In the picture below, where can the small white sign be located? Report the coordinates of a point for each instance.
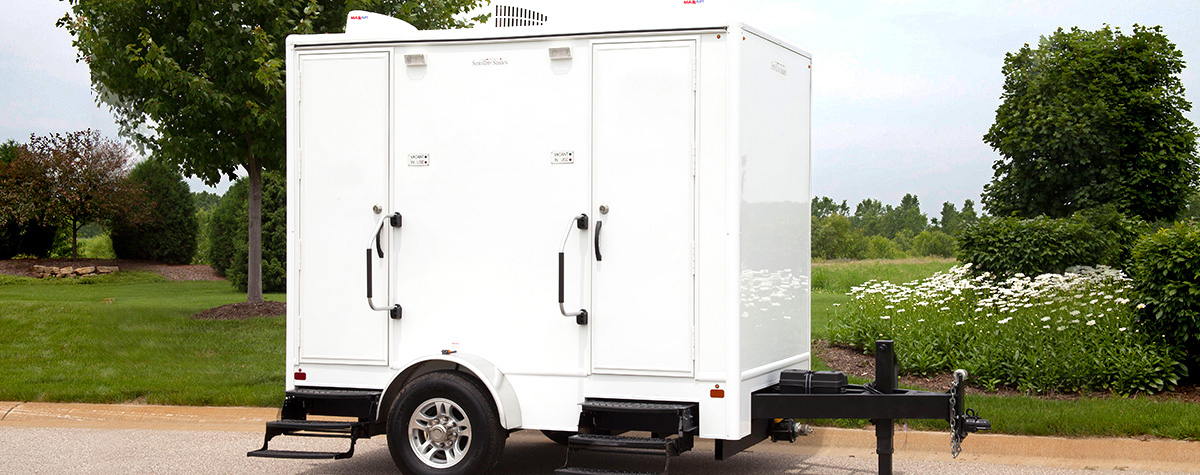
(779, 67)
(418, 159)
(563, 157)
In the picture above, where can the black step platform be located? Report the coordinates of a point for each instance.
(596, 471)
(672, 427)
(299, 403)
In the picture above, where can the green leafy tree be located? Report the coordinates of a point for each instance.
(906, 217)
(868, 215)
(967, 216)
(834, 238)
(1090, 118)
(205, 201)
(951, 219)
(823, 206)
(201, 82)
(167, 230)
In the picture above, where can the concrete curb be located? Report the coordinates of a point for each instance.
(1082, 453)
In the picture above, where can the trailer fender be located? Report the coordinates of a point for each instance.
(502, 392)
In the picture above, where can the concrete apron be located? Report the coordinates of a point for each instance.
(1083, 453)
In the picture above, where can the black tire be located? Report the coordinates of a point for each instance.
(558, 436)
(425, 427)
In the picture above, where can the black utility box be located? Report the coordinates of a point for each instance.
(802, 381)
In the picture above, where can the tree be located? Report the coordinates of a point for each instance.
(167, 231)
(867, 217)
(26, 225)
(951, 218)
(968, 216)
(824, 206)
(85, 178)
(201, 82)
(906, 217)
(1089, 118)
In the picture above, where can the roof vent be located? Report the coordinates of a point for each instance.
(517, 16)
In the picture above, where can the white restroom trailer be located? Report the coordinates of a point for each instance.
(564, 223)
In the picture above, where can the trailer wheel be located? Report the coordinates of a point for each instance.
(444, 424)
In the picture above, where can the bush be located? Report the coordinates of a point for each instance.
(1051, 333)
(28, 239)
(165, 228)
(933, 243)
(228, 236)
(879, 247)
(1166, 272)
(1042, 245)
(833, 238)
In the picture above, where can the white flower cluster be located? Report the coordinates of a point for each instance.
(1092, 292)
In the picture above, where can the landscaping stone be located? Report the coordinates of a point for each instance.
(107, 269)
(64, 271)
(85, 270)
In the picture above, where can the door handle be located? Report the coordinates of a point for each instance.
(581, 317)
(596, 240)
(396, 220)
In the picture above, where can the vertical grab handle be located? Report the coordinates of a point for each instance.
(581, 317)
(596, 238)
(395, 311)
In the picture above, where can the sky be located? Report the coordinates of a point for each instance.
(903, 90)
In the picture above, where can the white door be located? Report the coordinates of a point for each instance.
(344, 123)
(643, 135)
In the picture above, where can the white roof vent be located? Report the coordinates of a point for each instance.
(516, 16)
(361, 23)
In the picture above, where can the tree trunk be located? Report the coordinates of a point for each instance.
(254, 208)
(74, 240)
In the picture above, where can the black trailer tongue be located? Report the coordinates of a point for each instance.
(803, 394)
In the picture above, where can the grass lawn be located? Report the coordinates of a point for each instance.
(65, 340)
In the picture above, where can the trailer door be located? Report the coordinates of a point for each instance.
(643, 136)
(344, 123)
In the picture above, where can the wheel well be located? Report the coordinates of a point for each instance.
(392, 393)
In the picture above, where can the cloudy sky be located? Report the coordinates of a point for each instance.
(903, 90)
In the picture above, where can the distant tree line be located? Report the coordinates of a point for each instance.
(879, 231)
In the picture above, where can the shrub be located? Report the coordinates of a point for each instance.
(879, 247)
(934, 243)
(28, 238)
(1041, 245)
(1052, 333)
(833, 238)
(165, 229)
(1166, 269)
(228, 236)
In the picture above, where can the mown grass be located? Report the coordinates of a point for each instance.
(839, 276)
(129, 338)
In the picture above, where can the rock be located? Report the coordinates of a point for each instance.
(107, 269)
(39, 269)
(85, 270)
(66, 271)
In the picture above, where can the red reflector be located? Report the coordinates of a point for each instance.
(300, 376)
(717, 393)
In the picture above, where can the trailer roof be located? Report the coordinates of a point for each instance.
(387, 30)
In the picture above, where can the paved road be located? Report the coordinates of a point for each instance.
(101, 451)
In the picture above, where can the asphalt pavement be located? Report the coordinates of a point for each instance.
(86, 438)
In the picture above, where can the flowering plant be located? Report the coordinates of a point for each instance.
(1054, 332)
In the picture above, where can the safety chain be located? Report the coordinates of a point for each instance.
(955, 440)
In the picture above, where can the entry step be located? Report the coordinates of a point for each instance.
(634, 406)
(651, 445)
(296, 454)
(288, 426)
(596, 471)
(317, 393)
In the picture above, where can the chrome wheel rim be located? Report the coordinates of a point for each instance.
(439, 432)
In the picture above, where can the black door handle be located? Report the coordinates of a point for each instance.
(596, 242)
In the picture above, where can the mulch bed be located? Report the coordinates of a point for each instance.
(24, 267)
(243, 310)
(854, 362)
